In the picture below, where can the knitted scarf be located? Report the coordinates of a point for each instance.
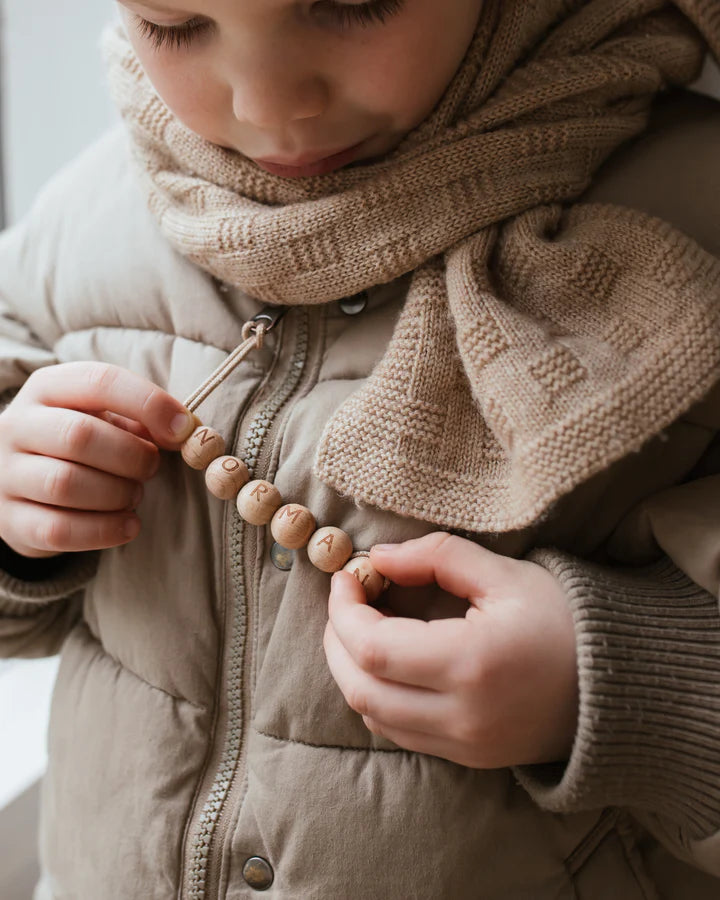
(539, 341)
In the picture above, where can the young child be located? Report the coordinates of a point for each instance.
(486, 364)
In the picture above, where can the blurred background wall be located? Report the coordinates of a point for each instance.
(54, 97)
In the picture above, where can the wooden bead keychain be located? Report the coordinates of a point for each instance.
(259, 502)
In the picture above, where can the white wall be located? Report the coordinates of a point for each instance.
(54, 99)
(25, 690)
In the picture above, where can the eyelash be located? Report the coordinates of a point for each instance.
(174, 36)
(363, 14)
(343, 15)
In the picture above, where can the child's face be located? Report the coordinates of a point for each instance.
(289, 83)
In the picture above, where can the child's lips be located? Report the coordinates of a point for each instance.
(304, 167)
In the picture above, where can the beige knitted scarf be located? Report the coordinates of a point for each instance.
(539, 342)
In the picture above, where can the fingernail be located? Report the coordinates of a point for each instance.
(384, 548)
(335, 582)
(182, 425)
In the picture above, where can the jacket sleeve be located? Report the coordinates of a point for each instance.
(39, 599)
(648, 642)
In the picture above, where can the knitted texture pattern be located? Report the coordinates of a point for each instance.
(647, 738)
(539, 342)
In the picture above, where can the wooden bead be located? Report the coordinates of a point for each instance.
(202, 447)
(257, 502)
(367, 575)
(292, 526)
(225, 476)
(329, 549)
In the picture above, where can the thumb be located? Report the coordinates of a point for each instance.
(457, 565)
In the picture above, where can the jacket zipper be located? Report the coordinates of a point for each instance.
(204, 857)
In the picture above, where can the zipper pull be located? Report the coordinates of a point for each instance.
(253, 332)
(269, 316)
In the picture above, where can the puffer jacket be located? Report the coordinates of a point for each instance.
(199, 747)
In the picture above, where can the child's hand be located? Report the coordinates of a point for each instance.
(495, 688)
(76, 444)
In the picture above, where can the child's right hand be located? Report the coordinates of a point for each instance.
(76, 445)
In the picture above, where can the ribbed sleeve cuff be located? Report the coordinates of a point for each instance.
(25, 583)
(648, 737)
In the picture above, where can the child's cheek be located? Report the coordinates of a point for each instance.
(390, 73)
(195, 95)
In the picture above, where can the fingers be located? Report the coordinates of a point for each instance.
(495, 687)
(36, 531)
(457, 565)
(408, 707)
(407, 651)
(55, 482)
(77, 437)
(76, 444)
(126, 424)
(96, 387)
(420, 742)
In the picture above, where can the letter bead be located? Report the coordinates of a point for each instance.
(329, 549)
(292, 526)
(202, 447)
(257, 502)
(367, 575)
(225, 476)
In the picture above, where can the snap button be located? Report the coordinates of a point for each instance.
(258, 873)
(353, 306)
(282, 558)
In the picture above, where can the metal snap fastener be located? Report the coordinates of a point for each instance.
(353, 306)
(282, 558)
(258, 873)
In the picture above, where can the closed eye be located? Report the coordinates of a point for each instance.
(173, 36)
(330, 12)
(347, 15)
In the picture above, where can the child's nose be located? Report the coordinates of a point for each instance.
(271, 99)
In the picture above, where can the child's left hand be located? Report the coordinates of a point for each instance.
(495, 688)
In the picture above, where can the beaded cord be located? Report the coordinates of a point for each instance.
(259, 502)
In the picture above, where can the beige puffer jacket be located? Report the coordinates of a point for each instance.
(199, 747)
